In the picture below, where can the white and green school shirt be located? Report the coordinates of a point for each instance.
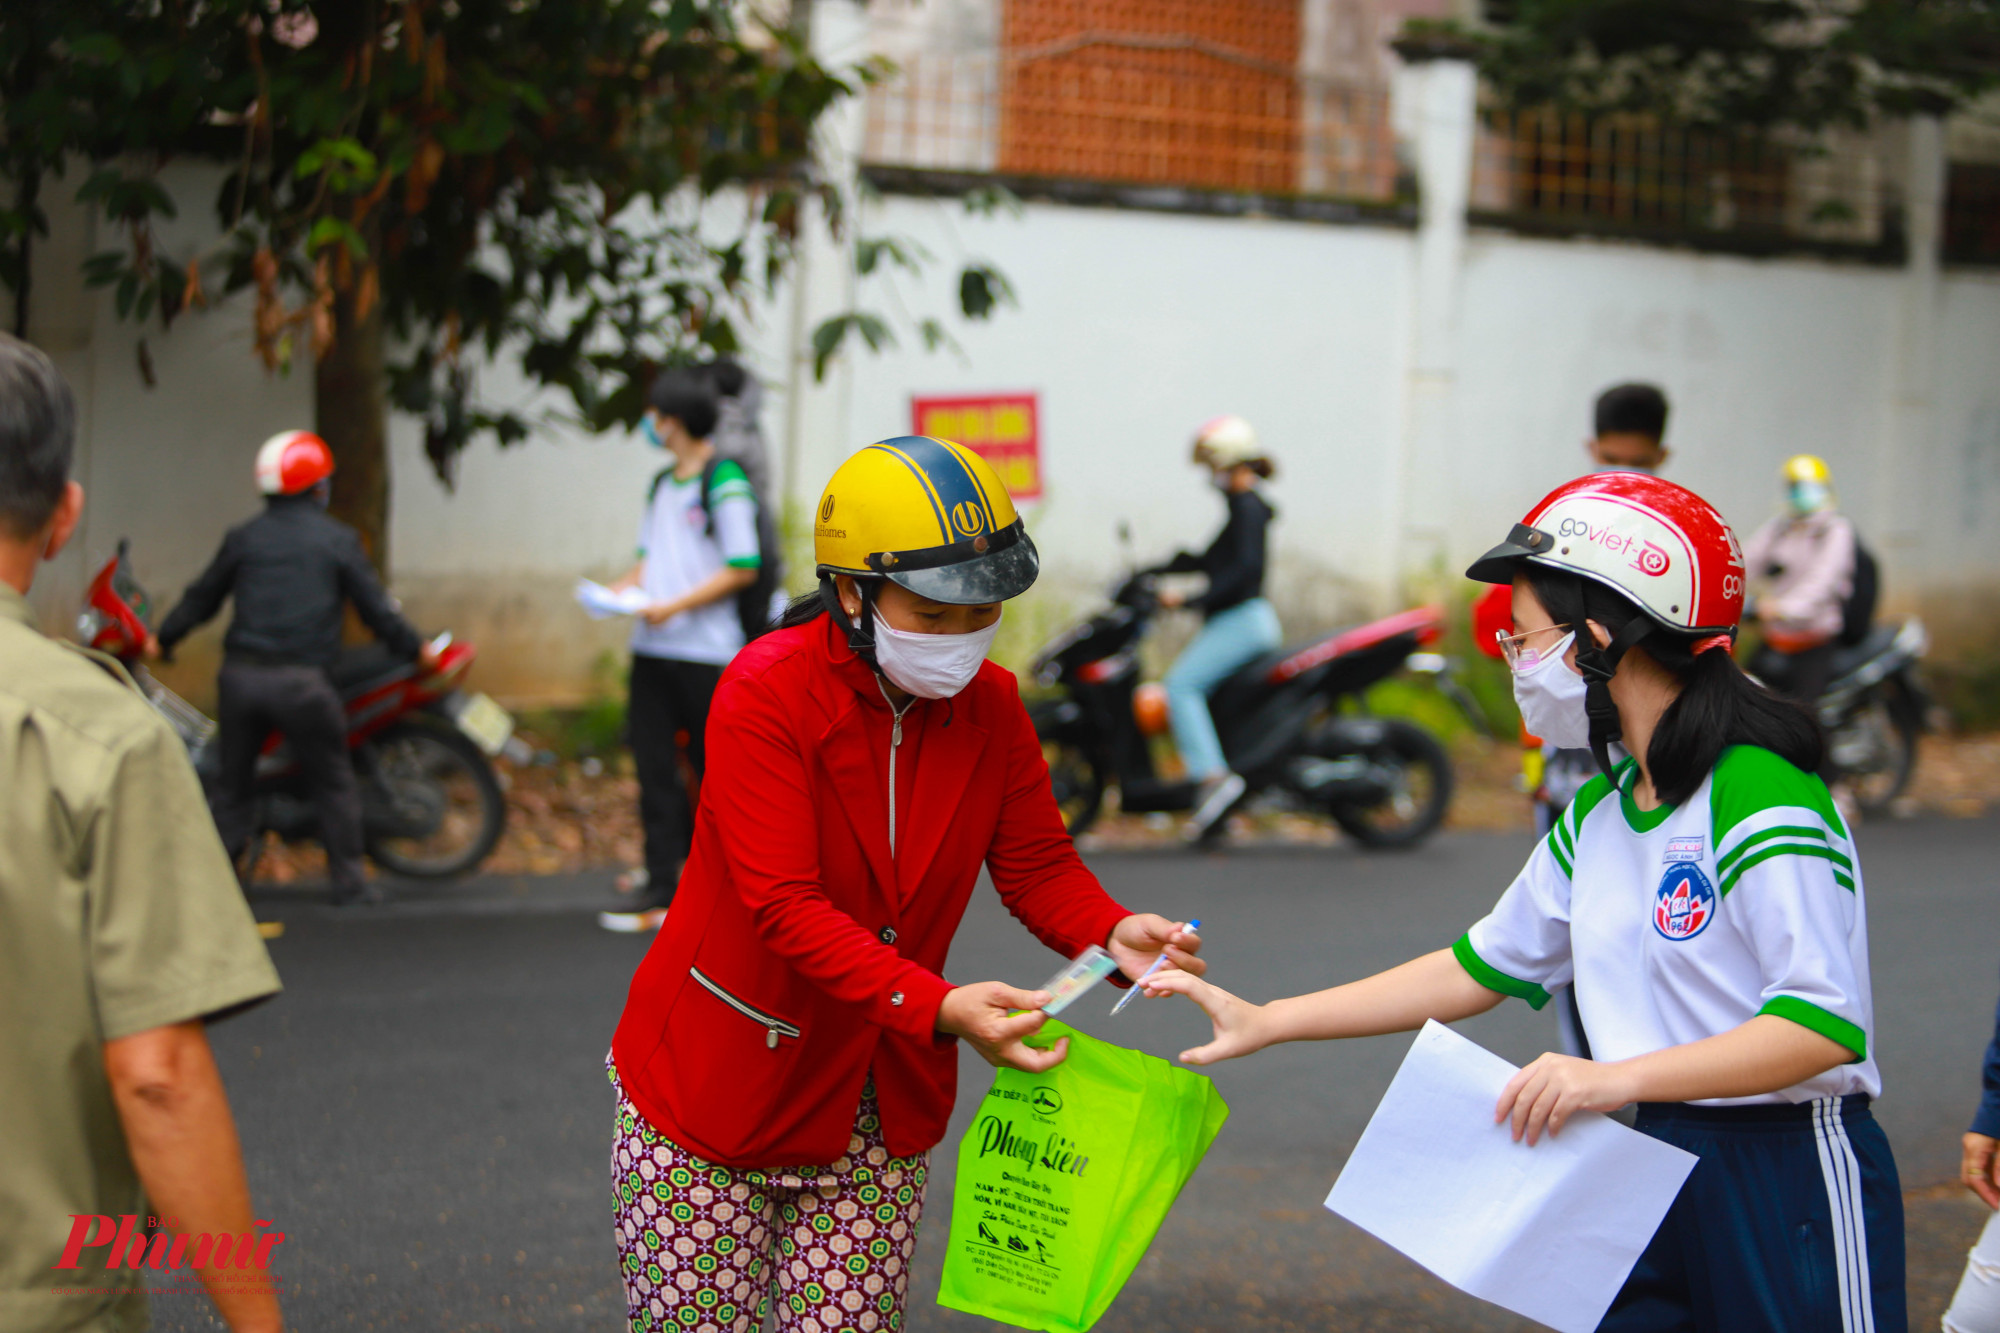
(678, 553)
(1683, 922)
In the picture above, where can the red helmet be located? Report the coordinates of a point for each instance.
(1661, 545)
(293, 461)
(1492, 615)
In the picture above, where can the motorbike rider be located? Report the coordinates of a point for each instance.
(1801, 567)
(1238, 624)
(290, 570)
(786, 1058)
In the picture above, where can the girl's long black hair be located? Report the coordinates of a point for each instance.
(1719, 706)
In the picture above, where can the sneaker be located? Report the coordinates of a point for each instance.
(1216, 798)
(633, 923)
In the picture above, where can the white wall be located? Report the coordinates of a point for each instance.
(1136, 327)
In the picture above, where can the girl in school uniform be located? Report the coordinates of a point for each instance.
(1704, 899)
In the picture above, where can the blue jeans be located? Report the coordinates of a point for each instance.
(1241, 634)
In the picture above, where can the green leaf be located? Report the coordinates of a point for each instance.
(935, 335)
(981, 288)
(874, 332)
(901, 251)
(351, 166)
(97, 48)
(336, 231)
(826, 340)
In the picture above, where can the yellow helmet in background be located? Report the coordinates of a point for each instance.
(929, 515)
(1808, 484)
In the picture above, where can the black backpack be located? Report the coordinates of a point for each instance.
(1857, 614)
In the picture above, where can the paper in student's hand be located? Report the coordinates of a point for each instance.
(601, 602)
(1549, 1231)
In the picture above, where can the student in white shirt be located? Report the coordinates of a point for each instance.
(1705, 899)
(698, 549)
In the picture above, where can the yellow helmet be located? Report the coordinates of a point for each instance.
(1808, 484)
(927, 514)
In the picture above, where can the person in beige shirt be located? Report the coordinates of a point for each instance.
(122, 931)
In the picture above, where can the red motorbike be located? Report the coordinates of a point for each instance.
(423, 747)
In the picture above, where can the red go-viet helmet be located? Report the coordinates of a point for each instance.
(293, 461)
(1661, 545)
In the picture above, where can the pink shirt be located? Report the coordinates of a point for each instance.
(1803, 569)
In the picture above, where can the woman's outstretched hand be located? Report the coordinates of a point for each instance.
(1555, 1087)
(1239, 1025)
(1138, 940)
(987, 1015)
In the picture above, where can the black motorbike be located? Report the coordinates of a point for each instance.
(1385, 781)
(1873, 709)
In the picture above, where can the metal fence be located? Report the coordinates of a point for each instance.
(1636, 174)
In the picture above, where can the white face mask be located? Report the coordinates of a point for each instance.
(1550, 694)
(931, 666)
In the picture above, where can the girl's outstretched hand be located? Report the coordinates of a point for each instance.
(1555, 1087)
(1238, 1023)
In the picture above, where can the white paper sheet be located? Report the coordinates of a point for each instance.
(1550, 1232)
(601, 602)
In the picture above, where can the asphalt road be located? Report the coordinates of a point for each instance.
(425, 1114)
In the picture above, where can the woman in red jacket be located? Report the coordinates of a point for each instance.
(786, 1058)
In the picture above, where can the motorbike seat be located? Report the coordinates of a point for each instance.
(1253, 674)
(1878, 642)
(365, 667)
(1261, 674)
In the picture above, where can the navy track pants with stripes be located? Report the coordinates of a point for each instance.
(1792, 1222)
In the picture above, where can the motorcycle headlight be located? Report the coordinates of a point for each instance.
(89, 624)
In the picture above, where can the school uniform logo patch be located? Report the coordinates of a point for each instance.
(1684, 903)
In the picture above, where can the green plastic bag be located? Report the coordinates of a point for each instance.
(1065, 1177)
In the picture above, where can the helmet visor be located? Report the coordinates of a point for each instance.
(993, 577)
(1498, 564)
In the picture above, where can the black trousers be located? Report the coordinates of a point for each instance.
(666, 715)
(300, 703)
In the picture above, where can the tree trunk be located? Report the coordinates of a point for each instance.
(351, 404)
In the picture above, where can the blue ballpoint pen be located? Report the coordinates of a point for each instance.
(1139, 985)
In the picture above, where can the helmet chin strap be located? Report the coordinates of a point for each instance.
(1598, 666)
(860, 637)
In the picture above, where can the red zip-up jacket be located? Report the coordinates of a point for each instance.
(799, 953)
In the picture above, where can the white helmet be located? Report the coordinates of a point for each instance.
(1225, 442)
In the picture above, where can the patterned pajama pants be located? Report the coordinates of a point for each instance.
(699, 1244)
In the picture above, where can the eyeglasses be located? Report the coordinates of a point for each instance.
(1513, 649)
